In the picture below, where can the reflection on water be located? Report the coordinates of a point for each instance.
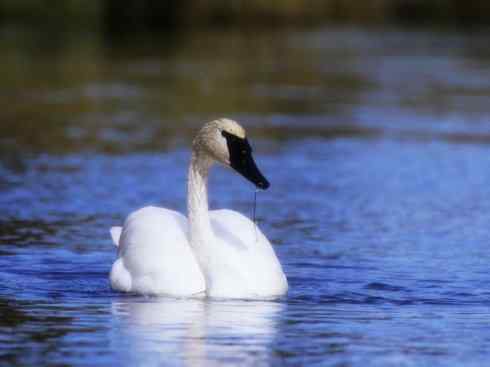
(195, 331)
(83, 94)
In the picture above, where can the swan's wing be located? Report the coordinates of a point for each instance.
(115, 235)
(155, 252)
(238, 231)
(245, 252)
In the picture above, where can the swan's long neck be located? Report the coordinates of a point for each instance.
(201, 234)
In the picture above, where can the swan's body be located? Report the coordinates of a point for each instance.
(154, 256)
(219, 252)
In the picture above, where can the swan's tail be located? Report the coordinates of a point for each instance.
(116, 234)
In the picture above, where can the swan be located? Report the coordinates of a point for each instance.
(217, 253)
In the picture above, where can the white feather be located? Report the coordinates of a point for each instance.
(116, 234)
(220, 252)
(155, 256)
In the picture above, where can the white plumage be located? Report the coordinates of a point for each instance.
(218, 252)
(154, 256)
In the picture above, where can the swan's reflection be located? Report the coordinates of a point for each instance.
(195, 332)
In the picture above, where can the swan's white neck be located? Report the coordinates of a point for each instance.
(201, 234)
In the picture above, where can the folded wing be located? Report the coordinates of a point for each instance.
(154, 256)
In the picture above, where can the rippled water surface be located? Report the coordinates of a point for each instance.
(377, 145)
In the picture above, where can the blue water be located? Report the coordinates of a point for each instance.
(379, 207)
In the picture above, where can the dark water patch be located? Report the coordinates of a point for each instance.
(384, 287)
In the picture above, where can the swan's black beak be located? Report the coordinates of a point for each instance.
(241, 160)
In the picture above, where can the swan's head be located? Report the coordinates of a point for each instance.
(225, 141)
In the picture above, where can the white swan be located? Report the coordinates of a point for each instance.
(219, 252)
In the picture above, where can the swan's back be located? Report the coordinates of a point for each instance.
(154, 256)
(246, 259)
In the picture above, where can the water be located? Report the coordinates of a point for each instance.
(376, 143)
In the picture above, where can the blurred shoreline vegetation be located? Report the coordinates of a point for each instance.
(120, 16)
